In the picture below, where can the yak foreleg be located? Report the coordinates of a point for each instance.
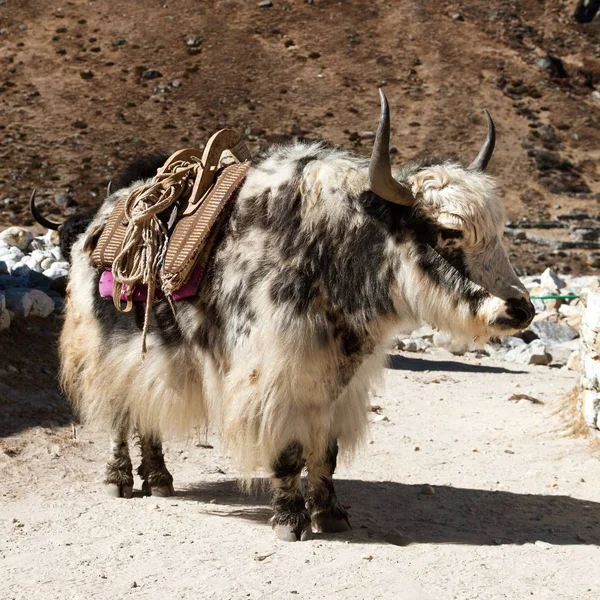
(326, 512)
(290, 520)
(119, 472)
(157, 479)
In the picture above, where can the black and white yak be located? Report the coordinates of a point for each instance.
(324, 257)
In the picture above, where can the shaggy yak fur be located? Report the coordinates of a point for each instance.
(311, 277)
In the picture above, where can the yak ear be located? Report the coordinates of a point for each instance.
(485, 154)
(381, 180)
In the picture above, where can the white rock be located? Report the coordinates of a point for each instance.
(574, 362)
(551, 281)
(531, 354)
(47, 263)
(56, 253)
(33, 264)
(591, 407)
(40, 255)
(568, 310)
(17, 236)
(54, 272)
(13, 253)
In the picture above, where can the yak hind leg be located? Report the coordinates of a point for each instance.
(326, 512)
(157, 481)
(119, 472)
(290, 519)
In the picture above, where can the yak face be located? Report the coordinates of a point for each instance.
(459, 276)
(461, 273)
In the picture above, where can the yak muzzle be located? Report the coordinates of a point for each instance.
(518, 314)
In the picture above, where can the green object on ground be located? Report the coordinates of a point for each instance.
(569, 297)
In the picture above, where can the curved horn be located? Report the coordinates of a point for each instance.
(483, 158)
(108, 190)
(39, 218)
(381, 180)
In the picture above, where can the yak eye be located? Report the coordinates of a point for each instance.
(451, 234)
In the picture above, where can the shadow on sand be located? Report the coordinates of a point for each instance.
(399, 514)
(400, 362)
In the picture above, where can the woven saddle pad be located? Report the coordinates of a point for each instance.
(196, 219)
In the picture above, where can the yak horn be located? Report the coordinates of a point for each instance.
(381, 180)
(39, 218)
(108, 190)
(483, 158)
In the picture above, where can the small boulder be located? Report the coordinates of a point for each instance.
(551, 281)
(553, 333)
(531, 354)
(17, 237)
(26, 302)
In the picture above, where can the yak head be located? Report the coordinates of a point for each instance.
(455, 273)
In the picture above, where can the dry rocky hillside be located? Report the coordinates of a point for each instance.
(84, 87)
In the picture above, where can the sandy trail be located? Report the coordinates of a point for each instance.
(515, 511)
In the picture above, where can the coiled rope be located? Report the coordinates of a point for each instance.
(146, 238)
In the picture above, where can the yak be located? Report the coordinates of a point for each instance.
(323, 258)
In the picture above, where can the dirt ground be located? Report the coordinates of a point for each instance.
(76, 103)
(513, 510)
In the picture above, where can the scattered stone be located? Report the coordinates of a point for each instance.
(151, 74)
(176, 83)
(427, 490)
(17, 237)
(553, 66)
(553, 333)
(265, 4)
(87, 74)
(119, 42)
(26, 302)
(531, 354)
(193, 41)
(551, 281)
(574, 362)
(457, 17)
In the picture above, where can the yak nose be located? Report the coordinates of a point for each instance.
(521, 310)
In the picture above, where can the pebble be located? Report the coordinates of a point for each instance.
(427, 490)
(151, 74)
(265, 4)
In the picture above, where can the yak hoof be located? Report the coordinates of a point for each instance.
(288, 533)
(116, 490)
(159, 491)
(163, 491)
(330, 524)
